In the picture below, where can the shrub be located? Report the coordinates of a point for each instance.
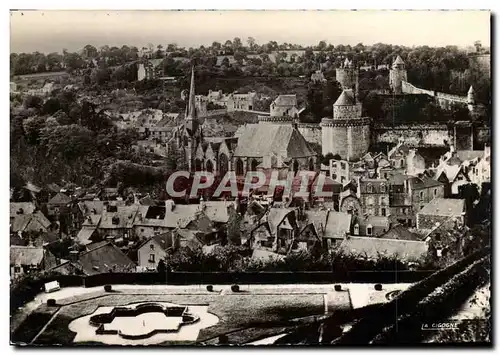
(235, 288)
(338, 288)
(378, 287)
(51, 302)
(210, 288)
(107, 288)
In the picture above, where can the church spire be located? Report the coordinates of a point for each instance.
(191, 107)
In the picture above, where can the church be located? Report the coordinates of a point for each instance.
(272, 143)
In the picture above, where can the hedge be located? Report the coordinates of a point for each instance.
(437, 306)
(367, 328)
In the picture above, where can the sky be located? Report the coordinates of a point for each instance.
(52, 30)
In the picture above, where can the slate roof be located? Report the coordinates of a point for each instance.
(400, 232)
(88, 206)
(21, 255)
(84, 234)
(164, 240)
(337, 225)
(103, 258)
(374, 247)
(423, 182)
(217, 211)
(318, 219)
(126, 216)
(286, 100)
(444, 207)
(276, 216)
(59, 199)
(450, 171)
(27, 207)
(469, 155)
(346, 98)
(179, 213)
(29, 222)
(265, 139)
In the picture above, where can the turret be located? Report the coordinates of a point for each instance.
(397, 75)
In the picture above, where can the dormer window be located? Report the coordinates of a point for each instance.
(356, 229)
(369, 230)
(369, 188)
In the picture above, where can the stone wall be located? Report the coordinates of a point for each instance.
(311, 132)
(444, 100)
(414, 135)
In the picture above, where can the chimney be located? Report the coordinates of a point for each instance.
(73, 255)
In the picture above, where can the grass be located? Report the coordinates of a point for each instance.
(253, 315)
(32, 325)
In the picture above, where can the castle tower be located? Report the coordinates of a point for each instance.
(397, 75)
(347, 133)
(347, 75)
(192, 130)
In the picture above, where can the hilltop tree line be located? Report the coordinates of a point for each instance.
(445, 69)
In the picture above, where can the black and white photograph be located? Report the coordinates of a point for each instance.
(250, 178)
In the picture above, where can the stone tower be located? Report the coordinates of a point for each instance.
(347, 133)
(347, 75)
(397, 75)
(192, 135)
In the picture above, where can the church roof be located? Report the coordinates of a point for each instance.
(265, 139)
(345, 99)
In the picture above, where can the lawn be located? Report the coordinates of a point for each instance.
(256, 312)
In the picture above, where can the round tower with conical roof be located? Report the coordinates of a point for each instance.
(347, 75)
(397, 75)
(347, 133)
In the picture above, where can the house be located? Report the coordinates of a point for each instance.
(284, 105)
(452, 177)
(34, 222)
(439, 210)
(149, 221)
(118, 222)
(26, 259)
(149, 69)
(153, 250)
(99, 258)
(338, 227)
(339, 171)
(19, 208)
(88, 233)
(313, 230)
(370, 226)
(402, 156)
(58, 204)
(480, 171)
(374, 196)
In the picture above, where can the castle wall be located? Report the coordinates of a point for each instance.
(414, 135)
(445, 101)
(311, 132)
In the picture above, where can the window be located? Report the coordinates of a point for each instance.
(151, 258)
(369, 201)
(17, 269)
(152, 247)
(342, 166)
(421, 195)
(369, 188)
(334, 165)
(356, 229)
(369, 229)
(435, 192)
(382, 188)
(383, 211)
(342, 179)
(402, 162)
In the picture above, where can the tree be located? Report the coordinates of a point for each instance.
(33, 102)
(251, 43)
(162, 267)
(321, 46)
(90, 51)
